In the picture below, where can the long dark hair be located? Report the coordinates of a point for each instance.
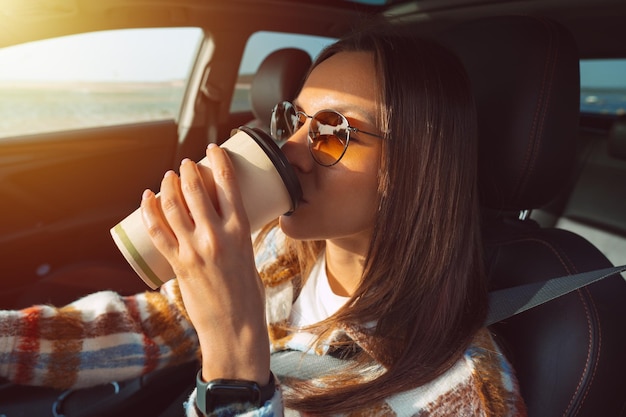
(423, 282)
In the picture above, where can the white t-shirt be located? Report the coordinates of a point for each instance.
(316, 301)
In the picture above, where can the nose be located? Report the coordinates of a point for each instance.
(296, 149)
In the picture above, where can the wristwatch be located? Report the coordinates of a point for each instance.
(221, 392)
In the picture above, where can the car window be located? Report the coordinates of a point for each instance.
(259, 46)
(95, 79)
(603, 86)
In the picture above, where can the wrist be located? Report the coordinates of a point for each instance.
(245, 358)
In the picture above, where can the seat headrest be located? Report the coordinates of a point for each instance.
(617, 138)
(278, 78)
(525, 77)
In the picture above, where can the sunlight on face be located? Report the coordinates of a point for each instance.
(339, 202)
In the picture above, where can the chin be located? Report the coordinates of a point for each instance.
(290, 226)
(298, 228)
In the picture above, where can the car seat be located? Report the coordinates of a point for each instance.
(278, 78)
(569, 354)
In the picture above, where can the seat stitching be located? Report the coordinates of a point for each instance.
(588, 361)
(570, 268)
(595, 364)
(538, 124)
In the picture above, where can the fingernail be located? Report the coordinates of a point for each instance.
(212, 145)
(147, 194)
(185, 160)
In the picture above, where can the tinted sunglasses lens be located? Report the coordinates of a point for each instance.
(284, 121)
(328, 137)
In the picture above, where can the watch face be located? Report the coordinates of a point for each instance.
(224, 393)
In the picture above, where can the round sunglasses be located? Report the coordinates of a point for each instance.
(329, 131)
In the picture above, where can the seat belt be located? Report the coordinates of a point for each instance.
(508, 302)
(503, 304)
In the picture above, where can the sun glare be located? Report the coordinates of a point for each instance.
(122, 55)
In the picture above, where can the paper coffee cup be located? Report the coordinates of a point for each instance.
(269, 188)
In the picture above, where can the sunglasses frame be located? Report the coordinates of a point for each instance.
(310, 135)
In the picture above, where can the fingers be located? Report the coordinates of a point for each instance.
(167, 216)
(199, 194)
(227, 190)
(197, 203)
(161, 234)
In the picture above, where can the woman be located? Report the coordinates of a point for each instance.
(387, 229)
(380, 264)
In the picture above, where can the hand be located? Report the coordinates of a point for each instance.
(199, 224)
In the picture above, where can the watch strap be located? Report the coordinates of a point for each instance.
(221, 392)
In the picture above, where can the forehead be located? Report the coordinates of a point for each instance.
(343, 82)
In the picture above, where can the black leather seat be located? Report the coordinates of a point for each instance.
(569, 354)
(278, 78)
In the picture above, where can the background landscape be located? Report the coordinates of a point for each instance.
(35, 107)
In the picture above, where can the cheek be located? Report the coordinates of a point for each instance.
(357, 186)
(344, 205)
(356, 199)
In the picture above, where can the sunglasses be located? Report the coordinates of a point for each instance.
(329, 131)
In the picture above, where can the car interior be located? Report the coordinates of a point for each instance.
(552, 177)
(528, 110)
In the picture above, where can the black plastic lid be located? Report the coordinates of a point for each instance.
(280, 162)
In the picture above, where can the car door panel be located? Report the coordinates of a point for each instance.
(64, 191)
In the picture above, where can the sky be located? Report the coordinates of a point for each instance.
(109, 56)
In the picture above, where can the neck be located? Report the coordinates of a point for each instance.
(344, 266)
